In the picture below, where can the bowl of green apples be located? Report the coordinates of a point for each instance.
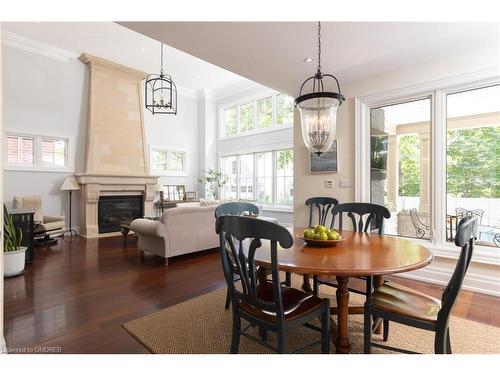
(320, 236)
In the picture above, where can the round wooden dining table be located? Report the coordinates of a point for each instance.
(359, 254)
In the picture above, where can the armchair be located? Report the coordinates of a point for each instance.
(45, 226)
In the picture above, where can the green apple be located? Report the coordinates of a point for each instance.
(331, 236)
(322, 236)
(319, 228)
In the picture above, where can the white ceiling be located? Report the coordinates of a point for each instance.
(272, 53)
(122, 45)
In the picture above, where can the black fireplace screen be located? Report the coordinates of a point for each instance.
(117, 208)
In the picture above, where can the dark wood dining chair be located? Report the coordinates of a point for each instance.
(324, 206)
(266, 304)
(241, 208)
(403, 305)
(365, 217)
(235, 208)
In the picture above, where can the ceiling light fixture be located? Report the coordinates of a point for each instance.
(161, 92)
(308, 59)
(318, 109)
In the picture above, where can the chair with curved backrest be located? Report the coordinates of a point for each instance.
(365, 217)
(421, 230)
(324, 206)
(241, 208)
(235, 208)
(267, 304)
(463, 213)
(410, 307)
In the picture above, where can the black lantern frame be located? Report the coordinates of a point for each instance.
(161, 92)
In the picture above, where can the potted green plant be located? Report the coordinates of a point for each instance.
(214, 180)
(14, 253)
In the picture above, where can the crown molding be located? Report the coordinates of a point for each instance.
(92, 60)
(206, 94)
(33, 46)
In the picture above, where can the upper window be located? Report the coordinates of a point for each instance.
(265, 112)
(230, 121)
(33, 151)
(247, 114)
(284, 110)
(168, 161)
(256, 114)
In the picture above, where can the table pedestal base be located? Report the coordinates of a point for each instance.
(342, 344)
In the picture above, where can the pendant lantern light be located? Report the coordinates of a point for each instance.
(161, 92)
(318, 109)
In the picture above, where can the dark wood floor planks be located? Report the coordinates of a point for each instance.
(77, 294)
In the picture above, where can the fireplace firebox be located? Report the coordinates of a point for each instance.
(114, 209)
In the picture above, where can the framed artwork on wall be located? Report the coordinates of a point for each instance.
(327, 162)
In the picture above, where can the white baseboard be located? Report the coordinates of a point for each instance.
(3, 345)
(473, 281)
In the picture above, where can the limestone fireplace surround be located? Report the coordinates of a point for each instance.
(94, 186)
(116, 161)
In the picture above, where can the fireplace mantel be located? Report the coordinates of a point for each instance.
(95, 185)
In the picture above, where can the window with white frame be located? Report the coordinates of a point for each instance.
(433, 170)
(255, 114)
(264, 177)
(168, 161)
(20, 149)
(35, 151)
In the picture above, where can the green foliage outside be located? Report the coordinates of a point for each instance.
(284, 110)
(265, 112)
(231, 121)
(409, 166)
(473, 162)
(246, 117)
(284, 160)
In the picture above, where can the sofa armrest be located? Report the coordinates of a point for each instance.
(147, 227)
(51, 219)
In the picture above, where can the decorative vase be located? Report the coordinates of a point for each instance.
(14, 261)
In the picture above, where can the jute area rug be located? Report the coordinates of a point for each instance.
(202, 326)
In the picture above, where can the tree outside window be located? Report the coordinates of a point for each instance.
(265, 112)
(284, 110)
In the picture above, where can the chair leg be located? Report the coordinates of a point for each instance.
(386, 329)
(288, 279)
(315, 285)
(281, 341)
(368, 329)
(228, 299)
(263, 333)
(448, 342)
(235, 339)
(440, 342)
(325, 331)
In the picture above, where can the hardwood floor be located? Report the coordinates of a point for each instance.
(77, 294)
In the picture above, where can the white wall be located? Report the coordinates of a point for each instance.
(46, 96)
(177, 133)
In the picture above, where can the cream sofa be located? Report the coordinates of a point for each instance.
(180, 230)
